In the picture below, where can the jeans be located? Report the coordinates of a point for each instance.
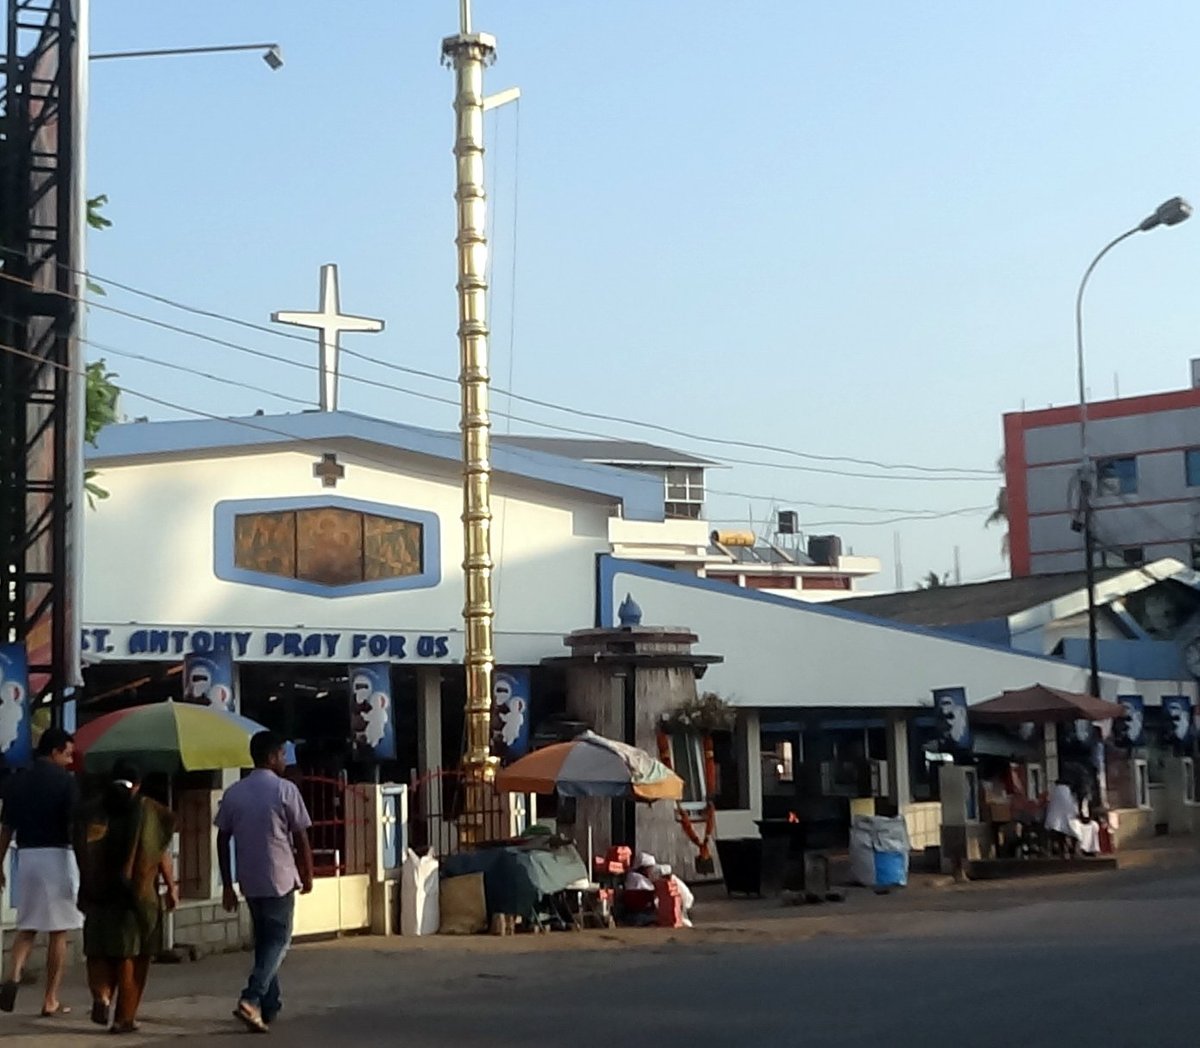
(272, 919)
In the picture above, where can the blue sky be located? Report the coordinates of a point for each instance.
(848, 229)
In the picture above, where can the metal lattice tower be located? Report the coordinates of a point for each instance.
(41, 390)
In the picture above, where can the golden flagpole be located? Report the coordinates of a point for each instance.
(468, 54)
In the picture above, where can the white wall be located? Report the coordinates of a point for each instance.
(780, 655)
(1128, 435)
(149, 551)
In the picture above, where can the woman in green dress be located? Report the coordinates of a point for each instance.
(123, 853)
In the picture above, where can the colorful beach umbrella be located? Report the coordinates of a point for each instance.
(591, 766)
(168, 737)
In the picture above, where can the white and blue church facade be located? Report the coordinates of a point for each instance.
(299, 547)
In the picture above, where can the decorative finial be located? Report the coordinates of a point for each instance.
(629, 614)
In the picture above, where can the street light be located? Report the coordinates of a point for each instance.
(272, 53)
(1169, 213)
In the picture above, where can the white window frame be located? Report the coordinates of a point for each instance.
(1141, 783)
(690, 480)
(695, 789)
(971, 797)
(785, 760)
(880, 779)
(1035, 780)
(1109, 485)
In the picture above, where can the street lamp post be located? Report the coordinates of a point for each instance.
(1170, 213)
(272, 54)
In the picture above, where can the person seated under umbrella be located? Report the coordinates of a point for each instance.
(644, 875)
(637, 901)
(638, 877)
(1067, 820)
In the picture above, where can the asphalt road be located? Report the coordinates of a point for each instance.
(1112, 970)
(1108, 963)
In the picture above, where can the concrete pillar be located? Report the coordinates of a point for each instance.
(748, 743)
(899, 777)
(228, 777)
(429, 738)
(429, 718)
(659, 666)
(1050, 749)
(1181, 813)
(236, 683)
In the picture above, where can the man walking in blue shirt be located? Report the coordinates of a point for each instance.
(264, 817)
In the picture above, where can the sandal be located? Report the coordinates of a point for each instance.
(53, 1013)
(100, 1013)
(124, 1028)
(8, 996)
(251, 1016)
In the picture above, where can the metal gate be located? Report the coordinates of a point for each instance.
(437, 807)
(343, 840)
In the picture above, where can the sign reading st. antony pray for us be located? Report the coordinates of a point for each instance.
(259, 645)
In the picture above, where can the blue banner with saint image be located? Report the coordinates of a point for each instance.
(510, 713)
(1130, 730)
(208, 680)
(371, 716)
(16, 735)
(954, 729)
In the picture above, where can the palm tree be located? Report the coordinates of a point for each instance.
(999, 514)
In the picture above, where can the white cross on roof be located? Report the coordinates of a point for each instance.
(330, 321)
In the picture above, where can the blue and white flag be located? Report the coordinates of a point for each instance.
(510, 713)
(1130, 730)
(16, 736)
(208, 680)
(1177, 719)
(950, 704)
(371, 715)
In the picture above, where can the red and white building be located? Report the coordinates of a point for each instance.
(1147, 501)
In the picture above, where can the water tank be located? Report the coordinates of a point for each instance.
(733, 538)
(825, 549)
(788, 522)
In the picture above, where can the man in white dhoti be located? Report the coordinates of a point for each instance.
(39, 806)
(1063, 817)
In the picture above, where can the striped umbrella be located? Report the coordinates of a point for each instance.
(591, 766)
(167, 737)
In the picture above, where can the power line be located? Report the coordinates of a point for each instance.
(790, 503)
(321, 445)
(951, 472)
(911, 513)
(965, 511)
(183, 368)
(434, 398)
(263, 427)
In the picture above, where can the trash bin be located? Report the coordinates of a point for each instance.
(777, 861)
(784, 843)
(741, 865)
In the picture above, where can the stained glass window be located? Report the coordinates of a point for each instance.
(328, 545)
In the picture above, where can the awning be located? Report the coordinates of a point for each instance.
(1042, 705)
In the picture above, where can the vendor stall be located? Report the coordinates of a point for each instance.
(1020, 812)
